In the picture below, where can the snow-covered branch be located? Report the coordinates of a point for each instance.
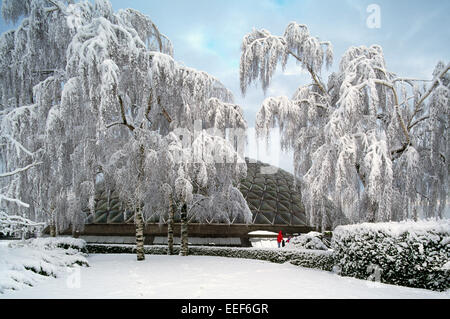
(18, 145)
(14, 200)
(262, 51)
(397, 110)
(17, 225)
(314, 76)
(19, 170)
(433, 86)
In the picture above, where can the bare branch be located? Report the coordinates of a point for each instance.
(149, 106)
(58, 6)
(417, 122)
(407, 80)
(124, 118)
(43, 72)
(166, 115)
(116, 124)
(164, 112)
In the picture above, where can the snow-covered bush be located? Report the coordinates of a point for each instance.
(26, 263)
(414, 254)
(311, 240)
(57, 242)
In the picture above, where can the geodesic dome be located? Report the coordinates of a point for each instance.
(270, 192)
(272, 196)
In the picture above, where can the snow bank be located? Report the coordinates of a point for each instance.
(26, 263)
(196, 277)
(414, 254)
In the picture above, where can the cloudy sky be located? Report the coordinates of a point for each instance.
(207, 34)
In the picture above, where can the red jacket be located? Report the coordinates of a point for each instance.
(280, 237)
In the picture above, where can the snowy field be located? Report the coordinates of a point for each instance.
(193, 277)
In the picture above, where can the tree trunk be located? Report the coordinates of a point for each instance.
(52, 230)
(415, 215)
(52, 226)
(139, 218)
(170, 227)
(184, 250)
(139, 234)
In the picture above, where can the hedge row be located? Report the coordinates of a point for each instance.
(413, 254)
(305, 258)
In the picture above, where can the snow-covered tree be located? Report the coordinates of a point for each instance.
(95, 95)
(214, 171)
(368, 145)
(12, 178)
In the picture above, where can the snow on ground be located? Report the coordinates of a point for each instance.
(192, 277)
(31, 262)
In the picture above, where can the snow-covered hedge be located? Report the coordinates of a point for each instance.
(57, 242)
(306, 258)
(414, 254)
(311, 240)
(26, 263)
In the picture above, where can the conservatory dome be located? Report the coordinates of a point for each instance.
(272, 196)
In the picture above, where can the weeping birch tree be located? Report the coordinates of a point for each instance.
(52, 66)
(369, 145)
(195, 175)
(95, 95)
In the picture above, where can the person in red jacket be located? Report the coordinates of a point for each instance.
(279, 238)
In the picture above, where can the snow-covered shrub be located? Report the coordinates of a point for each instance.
(305, 258)
(26, 263)
(57, 242)
(414, 254)
(311, 240)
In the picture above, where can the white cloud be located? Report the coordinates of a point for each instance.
(196, 39)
